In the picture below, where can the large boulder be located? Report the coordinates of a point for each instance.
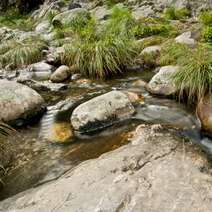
(204, 112)
(102, 111)
(155, 172)
(161, 83)
(18, 102)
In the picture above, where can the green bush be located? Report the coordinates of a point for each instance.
(195, 75)
(19, 53)
(176, 14)
(207, 34)
(172, 53)
(206, 18)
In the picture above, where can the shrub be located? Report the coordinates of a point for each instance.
(19, 53)
(195, 75)
(103, 51)
(172, 53)
(207, 34)
(206, 18)
(176, 14)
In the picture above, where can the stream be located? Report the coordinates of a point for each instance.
(39, 161)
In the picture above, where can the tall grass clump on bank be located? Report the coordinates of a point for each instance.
(173, 13)
(194, 78)
(19, 53)
(102, 51)
(206, 20)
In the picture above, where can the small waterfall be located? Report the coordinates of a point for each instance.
(47, 122)
(55, 124)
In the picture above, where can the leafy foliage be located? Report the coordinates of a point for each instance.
(176, 14)
(206, 18)
(207, 34)
(19, 53)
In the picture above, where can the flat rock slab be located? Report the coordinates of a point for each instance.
(155, 172)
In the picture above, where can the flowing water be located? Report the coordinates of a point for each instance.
(39, 161)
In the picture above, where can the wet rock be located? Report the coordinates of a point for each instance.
(68, 16)
(41, 71)
(134, 97)
(186, 38)
(61, 74)
(156, 172)
(139, 83)
(44, 85)
(161, 83)
(204, 112)
(18, 102)
(102, 111)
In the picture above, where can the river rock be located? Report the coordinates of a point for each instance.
(204, 112)
(61, 74)
(102, 111)
(155, 172)
(41, 71)
(161, 83)
(186, 38)
(18, 102)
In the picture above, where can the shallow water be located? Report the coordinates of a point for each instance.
(40, 161)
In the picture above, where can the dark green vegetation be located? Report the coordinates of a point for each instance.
(101, 51)
(206, 19)
(176, 14)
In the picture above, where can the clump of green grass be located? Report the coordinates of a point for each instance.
(207, 34)
(173, 13)
(172, 53)
(103, 51)
(19, 53)
(206, 18)
(195, 76)
(13, 19)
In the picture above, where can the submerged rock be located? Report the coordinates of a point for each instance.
(18, 102)
(156, 172)
(102, 111)
(204, 112)
(161, 83)
(61, 74)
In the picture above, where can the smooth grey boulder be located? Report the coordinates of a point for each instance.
(161, 83)
(61, 74)
(155, 172)
(186, 38)
(18, 102)
(102, 111)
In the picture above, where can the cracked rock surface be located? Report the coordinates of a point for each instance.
(155, 172)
